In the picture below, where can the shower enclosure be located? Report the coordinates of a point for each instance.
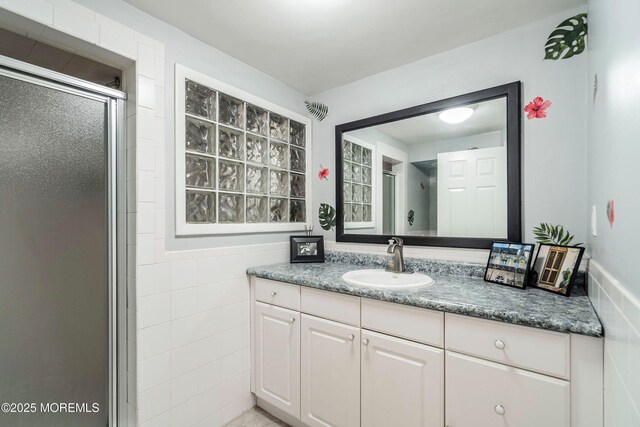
(60, 259)
(388, 203)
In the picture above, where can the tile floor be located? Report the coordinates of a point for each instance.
(256, 417)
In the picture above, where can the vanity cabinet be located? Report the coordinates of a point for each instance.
(484, 393)
(323, 358)
(330, 373)
(402, 382)
(501, 374)
(277, 357)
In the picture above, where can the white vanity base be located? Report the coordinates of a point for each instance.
(323, 358)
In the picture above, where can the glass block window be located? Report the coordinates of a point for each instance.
(244, 163)
(358, 181)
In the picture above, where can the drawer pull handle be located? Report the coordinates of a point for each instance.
(274, 293)
(499, 409)
(499, 344)
(292, 319)
(365, 341)
(350, 337)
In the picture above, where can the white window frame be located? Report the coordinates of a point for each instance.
(184, 228)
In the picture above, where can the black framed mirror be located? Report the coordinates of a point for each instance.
(445, 173)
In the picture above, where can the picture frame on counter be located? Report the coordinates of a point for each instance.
(555, 268)
(509, 264)
(307, 249)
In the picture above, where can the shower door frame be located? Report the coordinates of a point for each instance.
(115, 102)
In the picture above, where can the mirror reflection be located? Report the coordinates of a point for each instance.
(438, 174)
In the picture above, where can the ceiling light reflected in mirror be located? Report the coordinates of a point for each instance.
(456, 115)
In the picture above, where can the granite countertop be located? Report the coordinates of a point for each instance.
(459, 288)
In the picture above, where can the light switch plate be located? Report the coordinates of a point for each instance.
(594, 218)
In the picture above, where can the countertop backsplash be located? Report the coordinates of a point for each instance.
(422, 265)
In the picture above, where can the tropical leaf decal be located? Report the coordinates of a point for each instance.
(317, 109)
(568, 39)
(327, 216)
(553, 235)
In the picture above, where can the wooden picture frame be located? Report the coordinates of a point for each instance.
(555, 268)
(307, 249)
(509, 264)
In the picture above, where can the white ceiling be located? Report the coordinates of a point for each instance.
(488, 116)
(315, 45)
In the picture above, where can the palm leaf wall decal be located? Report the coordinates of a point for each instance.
(317, 109)
(327, 216)
(568, 39)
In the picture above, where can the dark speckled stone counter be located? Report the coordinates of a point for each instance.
(458, 288)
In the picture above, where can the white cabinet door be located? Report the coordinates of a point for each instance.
(330, 373)
(402, 382)
(277, 357)
(488, 394)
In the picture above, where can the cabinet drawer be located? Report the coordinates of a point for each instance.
(278, 293)
(413, 323)
(331, 305)
(529, 348)
(483, 393)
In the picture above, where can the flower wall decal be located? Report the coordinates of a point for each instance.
(536, 109)
(610, 214)
(324, 173)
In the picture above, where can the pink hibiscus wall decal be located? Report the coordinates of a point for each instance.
(324, 173)
(536, 108)
(610, 213)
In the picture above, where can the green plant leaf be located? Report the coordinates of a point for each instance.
(317, 109)
(327, 216)
(553, 235)
(568, 39)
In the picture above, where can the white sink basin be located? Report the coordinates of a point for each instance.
(386, 280)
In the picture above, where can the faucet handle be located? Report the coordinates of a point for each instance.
(397, 240)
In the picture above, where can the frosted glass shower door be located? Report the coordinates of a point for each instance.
(54, 256)
(388, 203)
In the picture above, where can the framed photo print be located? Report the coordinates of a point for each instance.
(307, 249)
(555, 267)
(509, 264)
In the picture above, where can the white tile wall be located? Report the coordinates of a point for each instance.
(188, 312)
(619, 312)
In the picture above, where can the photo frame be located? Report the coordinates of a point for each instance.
(509, 264)
(555, 268)
(307, 249)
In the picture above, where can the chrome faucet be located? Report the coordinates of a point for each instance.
(396, 265)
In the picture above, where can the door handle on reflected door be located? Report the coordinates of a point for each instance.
(351, 337)
(365, 341)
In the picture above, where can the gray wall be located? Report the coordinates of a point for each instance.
(554, 164)
(614, 142)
